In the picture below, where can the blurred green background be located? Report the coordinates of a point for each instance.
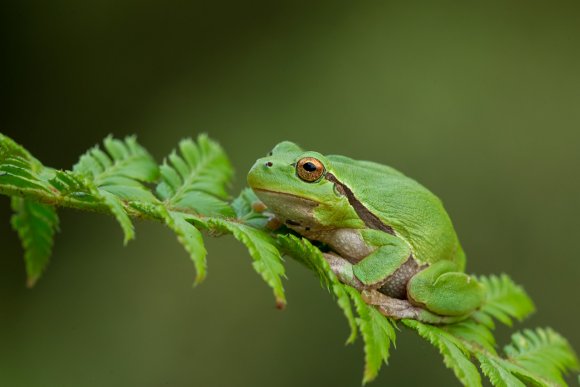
(478, 101)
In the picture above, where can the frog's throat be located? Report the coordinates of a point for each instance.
(311, 202)
(293, 210)
(370, 219)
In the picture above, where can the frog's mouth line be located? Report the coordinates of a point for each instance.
(292, 210)
(281, 193)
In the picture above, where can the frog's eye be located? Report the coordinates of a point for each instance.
(309, 169)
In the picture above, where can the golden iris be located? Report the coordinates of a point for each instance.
(309, 169)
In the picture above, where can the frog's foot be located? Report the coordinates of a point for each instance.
(343, 270)
(444, 291)
(399, 309)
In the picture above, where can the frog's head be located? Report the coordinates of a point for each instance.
(294, 185)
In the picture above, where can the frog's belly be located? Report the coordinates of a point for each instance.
(346, 242)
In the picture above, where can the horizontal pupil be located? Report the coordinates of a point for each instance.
(309, 167)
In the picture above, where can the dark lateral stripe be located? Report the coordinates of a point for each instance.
(370, 219)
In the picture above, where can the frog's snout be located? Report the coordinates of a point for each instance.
(261, 164)
(270, 172)
(257, 173)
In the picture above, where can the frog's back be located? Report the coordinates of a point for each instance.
(414, 212)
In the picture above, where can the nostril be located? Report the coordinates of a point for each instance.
(268, 164)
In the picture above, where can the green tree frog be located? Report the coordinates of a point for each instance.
(385, 234)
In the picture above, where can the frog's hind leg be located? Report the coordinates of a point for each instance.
(400, 309)
(443, 290)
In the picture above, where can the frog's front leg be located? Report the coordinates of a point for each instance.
(443, 290)
(368, 258)
(343, 270)
(389, 255)
(383, 254)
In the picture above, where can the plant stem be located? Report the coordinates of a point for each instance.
(57, 200)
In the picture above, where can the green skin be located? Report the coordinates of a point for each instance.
(389, 237)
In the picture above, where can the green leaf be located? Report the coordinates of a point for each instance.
(187, 234)
(116, 206)
(243, 207)
(534, 357)
(537, 358)
(36, 224)
(113, 177)
(343, 301)
(267, 259)
(455, 355)
(377, 332)
(543, 352)
(65, 182)
(526, 376)
(191, 239)
(18, 169)
(474, 332)
(10, 149)
(205, 204)
(123, 159)
(497, 374)
(304, 252)
(505, 300)
(196, 178)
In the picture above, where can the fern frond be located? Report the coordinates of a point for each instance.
(244, 211)
(304, 252)
(535, 357)
(195, 179)
(118, 210)
(191, 239)
(267, 258)
(505, 300)
(69, 185)
(455, 354)
(115, 176)
(183, 226)
(191, 197)
(9, 148)
(122, 159)
(497, 374)
(18, 169)
(36, 225)
(474, 332)
(543, 352)
(377, 331)
(120, 170)
(343, 301)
